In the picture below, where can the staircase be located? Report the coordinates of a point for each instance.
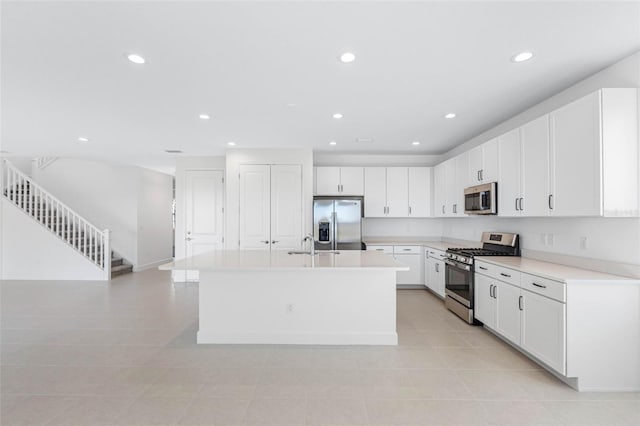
(62, 221)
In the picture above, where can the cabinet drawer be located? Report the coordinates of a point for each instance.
(384, 249)
(436, 254)
(545, 287)
(498, 272)
(407, 249)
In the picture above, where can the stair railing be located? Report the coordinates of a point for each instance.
(57, 217)
(42, 162)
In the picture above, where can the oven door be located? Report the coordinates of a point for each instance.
(459, 282)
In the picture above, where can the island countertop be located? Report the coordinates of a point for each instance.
(229, 260)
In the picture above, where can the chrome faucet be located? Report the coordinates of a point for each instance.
(309, 237)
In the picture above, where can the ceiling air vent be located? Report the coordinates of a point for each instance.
(364, 140)
(173, 151)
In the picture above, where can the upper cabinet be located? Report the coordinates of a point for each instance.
(594, 156)
(419, 191)
(579, 160)
(523, 155)
(450, 179)
(339, 181)
(483, 163)
(397, 191)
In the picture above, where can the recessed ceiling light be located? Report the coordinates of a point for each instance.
(337, 115)
(415, 143)
(333, 143)
(291, 105)
(521, 57)
(204, 116)
(135, 58)
(450, 115)
(231, 143)
(83, 140)
(347, 57)
(173, 151)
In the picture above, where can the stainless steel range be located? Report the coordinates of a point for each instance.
(459, 270)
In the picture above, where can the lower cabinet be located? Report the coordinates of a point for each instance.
(410, 256)
(544, 330)
(532, 321)
(434, 271)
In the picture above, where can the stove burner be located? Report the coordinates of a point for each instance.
(478, 252)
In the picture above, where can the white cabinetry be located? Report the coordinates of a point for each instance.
(449, 183)
(543, 329)
(410, 256)
(419, 191)
(483, 163)
(434, 270)
(270, 206)
(397, 191)
(524, 170)
(339, 181)
(594, 155)
(521, 309)
(439, 190)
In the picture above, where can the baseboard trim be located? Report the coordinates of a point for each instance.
(140, 268)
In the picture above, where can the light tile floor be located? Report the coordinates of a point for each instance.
(124, 353)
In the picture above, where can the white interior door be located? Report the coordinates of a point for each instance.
(204, 224)
(255, 206)
(286, 207)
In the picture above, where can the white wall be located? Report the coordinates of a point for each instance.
(625, 73)
(394, 227)
(236, 157)
(155, 229)
(31, 252)
(120, 198)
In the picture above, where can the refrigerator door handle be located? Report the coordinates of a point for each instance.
(334, 220)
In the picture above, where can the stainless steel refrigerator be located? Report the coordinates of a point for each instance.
(337, 223)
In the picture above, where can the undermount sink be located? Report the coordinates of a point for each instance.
(317, 252)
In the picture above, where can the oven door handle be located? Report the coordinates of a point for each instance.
(457, 265)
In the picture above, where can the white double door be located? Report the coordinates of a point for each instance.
(270, 206)
(204, 214)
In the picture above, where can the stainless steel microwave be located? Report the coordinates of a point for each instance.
(481, 199)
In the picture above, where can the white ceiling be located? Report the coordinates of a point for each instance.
(64, 74)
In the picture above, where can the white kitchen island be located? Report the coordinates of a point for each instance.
(251, 296)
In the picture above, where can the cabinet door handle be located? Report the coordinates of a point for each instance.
(266, 242)
(443, 209)
(521, 200)
(478, 173)
(379, 249)
(490, 290)
(437, 267)
(406, 249)
(409, 209)
(274, 241)
(505, 275)
(517, 204)
(520, 300)
(455, 208)
(482, 267)
(481, 175)
(550, 201)
(539, 285)
(495, 292)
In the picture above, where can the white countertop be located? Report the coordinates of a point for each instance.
(552, 271)
(414, 241)
(271, 260)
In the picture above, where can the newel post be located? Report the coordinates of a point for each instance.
(106, 254)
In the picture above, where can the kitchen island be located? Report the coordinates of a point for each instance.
(272, 297)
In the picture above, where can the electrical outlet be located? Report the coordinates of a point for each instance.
(583, 243)
(550, 238)
(289, 308)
